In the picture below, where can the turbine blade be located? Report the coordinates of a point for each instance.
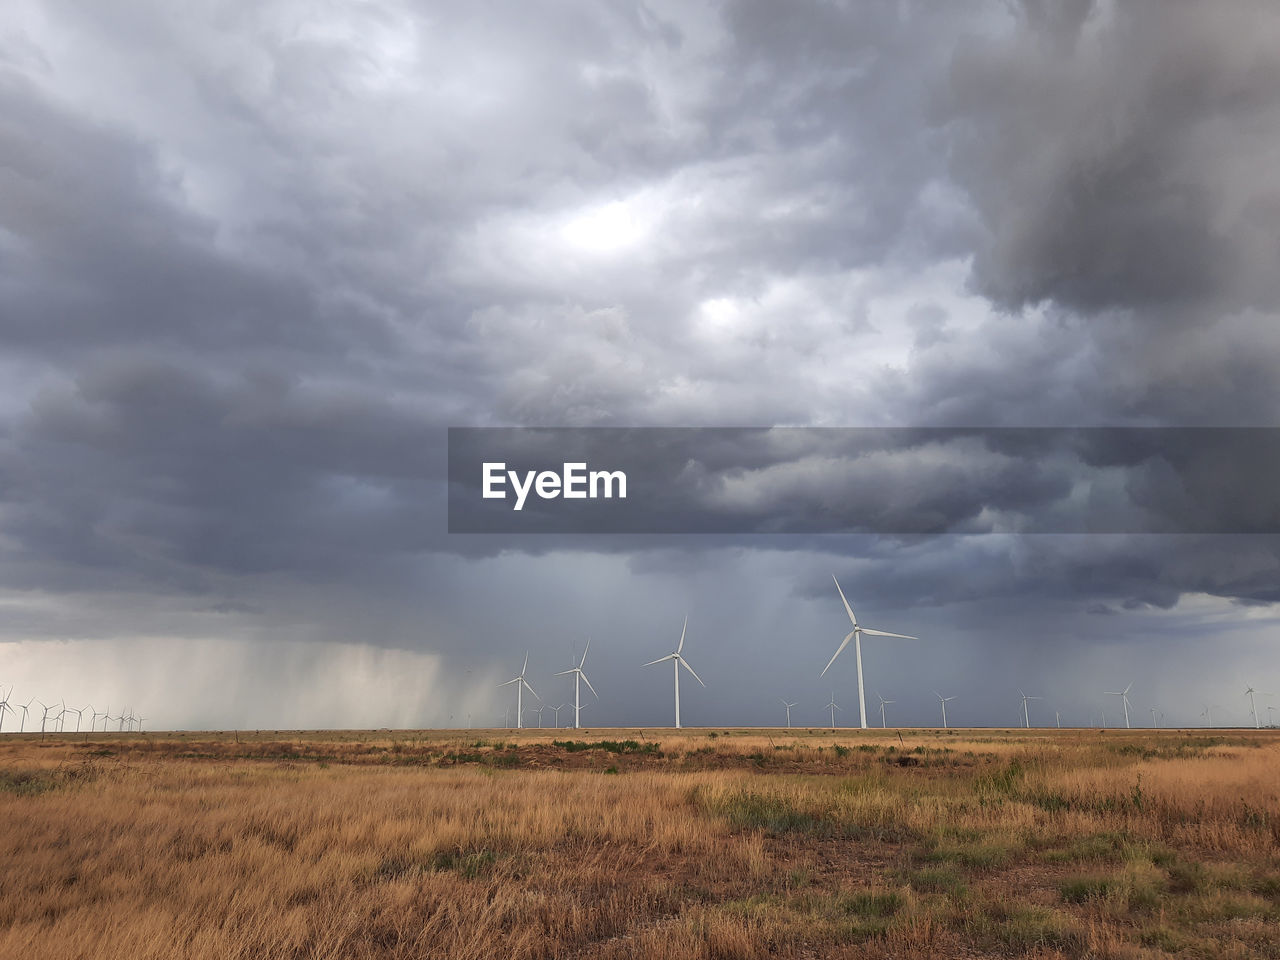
(590, 687)
(525, 668)
(529, 688)
(848, 609)
(565, 673)
(685, 663)
(837, 653)
(680, 645)
(885, 633)
(669, 656)
(584, 654)
(507, 683)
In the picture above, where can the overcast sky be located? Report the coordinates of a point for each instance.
(256, 258)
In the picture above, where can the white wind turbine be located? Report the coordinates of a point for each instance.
(578, 677)
(1154, 723)
(944, 701)
(521, 685)
(1026, 718)
(1249, 693)
(856, 636)
(883, 701)
(788, 706)
(833, 707)
(556, 711)
(1124, 698)
(677, 662)
(4, 706)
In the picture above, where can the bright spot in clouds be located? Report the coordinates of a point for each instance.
(607, 228)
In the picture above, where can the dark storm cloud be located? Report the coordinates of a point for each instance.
(1119, 160)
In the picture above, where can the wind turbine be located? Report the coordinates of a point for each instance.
(556, 711)
(1026, 718)
(677, 661)
(521, 684)
(883, 701)
(579, 676)
(22, 724)
(1057, 716)
(1249, 693)
(1124, 698)
(943, 700)
(856, 636)
(834, 707)
(4, 705)
(1154, 723)
(1207, 713)
(788, 706)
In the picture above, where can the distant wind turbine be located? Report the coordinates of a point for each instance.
(1154, 723)
(677, 661)
(883, 703)
(788, 706)
(1124, 698)
(521, 685)
(856, 636)
(944, 701)
(578, 677)
(1026, 717)
(833, 707)
(1249, 693)
(1207, 713)
(556, 711)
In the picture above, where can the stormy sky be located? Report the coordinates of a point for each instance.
(255, 259)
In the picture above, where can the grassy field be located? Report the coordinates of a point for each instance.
(655, 843)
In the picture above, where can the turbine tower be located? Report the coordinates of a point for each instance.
(943, 700)
(521, 685)
(1124, 698)
(833, 707)
(856, 636)
(1253, 707)
(883, 701)
(1026, 718)
(579, 676)
(788, 706)
(677, 662)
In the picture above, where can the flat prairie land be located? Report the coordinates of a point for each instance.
(661, 844)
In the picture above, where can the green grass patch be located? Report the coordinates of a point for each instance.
(773, 814)
(1084, 889)
(943, 879)
(612, 746)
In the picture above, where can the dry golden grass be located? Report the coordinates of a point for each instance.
(665, 844)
